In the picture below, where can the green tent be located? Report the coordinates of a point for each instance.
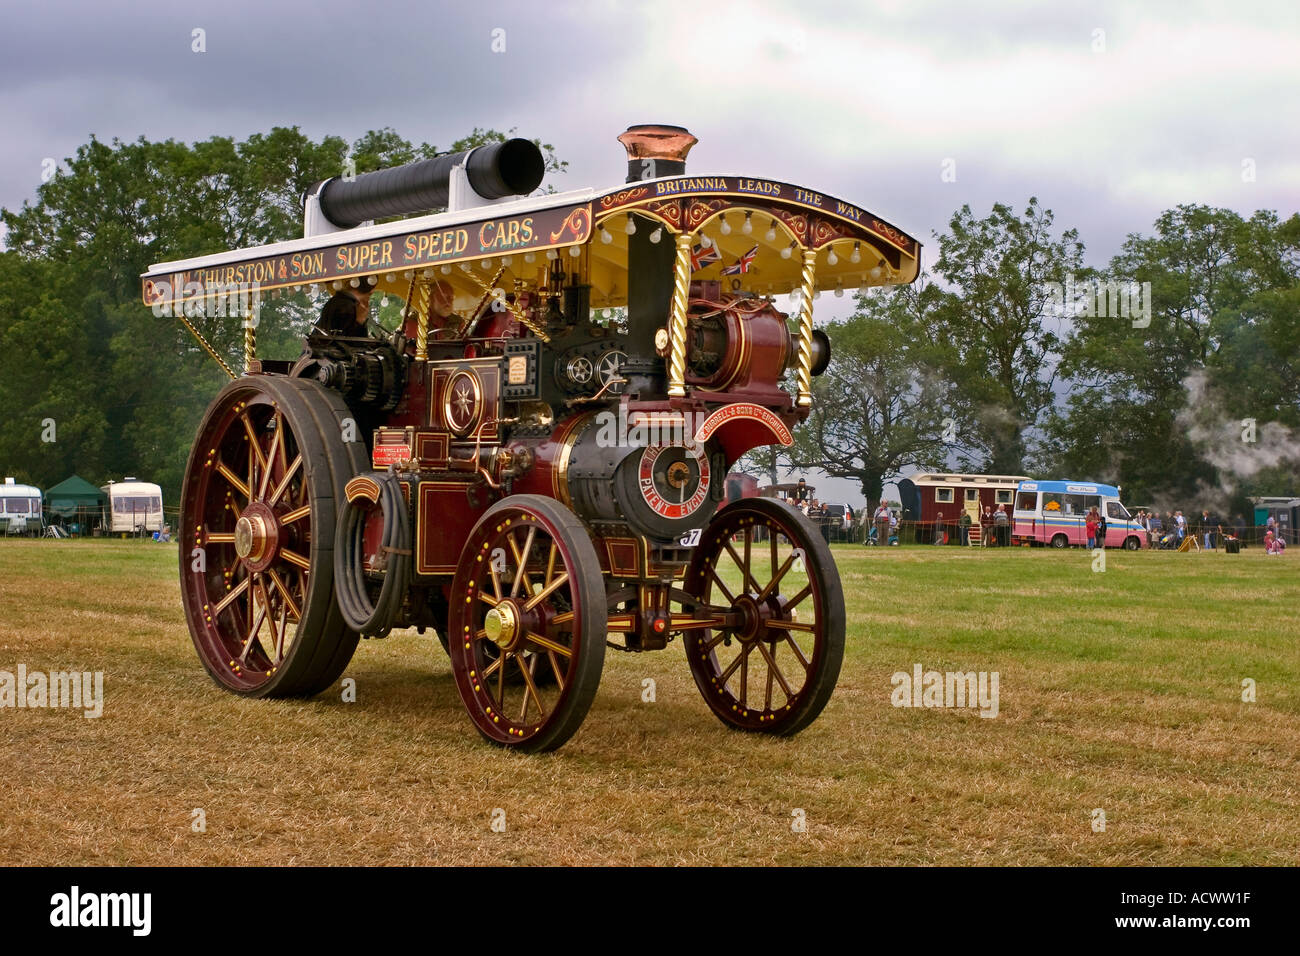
(75, 499)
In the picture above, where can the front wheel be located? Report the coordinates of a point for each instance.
(1060, 541)
(772, 660)
(527, 624)
(1132, 544)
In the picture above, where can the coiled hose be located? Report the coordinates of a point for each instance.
(350, 585)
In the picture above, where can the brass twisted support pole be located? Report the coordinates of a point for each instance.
(510, 307)
(677, 318)
(417, 304)
(207, 346)
(422, 334)
(487, 297)
(250, 342)
(804, 373)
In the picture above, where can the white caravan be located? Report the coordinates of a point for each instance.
(20, 508)
(133, 506)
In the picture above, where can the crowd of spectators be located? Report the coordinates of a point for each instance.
(1162, 531)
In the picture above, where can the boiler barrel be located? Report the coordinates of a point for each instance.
(512, 168)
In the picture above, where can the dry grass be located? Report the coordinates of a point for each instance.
(1118, 690)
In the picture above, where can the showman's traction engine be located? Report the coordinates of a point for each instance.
(533, 463)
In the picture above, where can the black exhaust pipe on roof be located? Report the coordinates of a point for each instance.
(652, 151)
(512, 168)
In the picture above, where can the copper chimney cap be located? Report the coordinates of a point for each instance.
(655, 150)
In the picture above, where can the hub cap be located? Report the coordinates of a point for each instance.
(502, 625)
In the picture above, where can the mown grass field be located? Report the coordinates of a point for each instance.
(1119, 690)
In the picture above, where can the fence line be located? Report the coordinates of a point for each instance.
(910, 532)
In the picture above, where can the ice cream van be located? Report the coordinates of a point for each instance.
(1054, 512)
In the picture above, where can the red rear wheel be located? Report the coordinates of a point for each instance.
(258, 510)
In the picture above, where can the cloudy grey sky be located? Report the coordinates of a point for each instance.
(1108, 112)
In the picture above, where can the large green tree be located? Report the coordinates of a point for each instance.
(1158, 407)
(996, 325)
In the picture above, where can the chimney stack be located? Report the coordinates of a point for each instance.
(653, 151)
(665, 146)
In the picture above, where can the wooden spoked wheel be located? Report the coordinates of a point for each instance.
(765, 580)
(527, 624)
(257, 521)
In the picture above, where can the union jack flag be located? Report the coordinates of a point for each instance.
(701, 257)
(742, 264)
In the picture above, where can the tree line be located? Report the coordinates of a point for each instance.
(983, 365)
(91, 382)
(992, 365)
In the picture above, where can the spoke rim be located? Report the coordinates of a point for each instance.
(519, 672)
(757, 673)
(247, 606)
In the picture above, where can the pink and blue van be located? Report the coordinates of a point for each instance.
(1053, 513)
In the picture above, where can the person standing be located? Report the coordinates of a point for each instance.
(1002, 526)
(1207, 530)
(986, 527)
(882, 524)
(1101, 529)
(1090, 528)
(965, 524)
(817, 515)
(938, 529)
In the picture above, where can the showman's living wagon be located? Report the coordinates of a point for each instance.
(533, 463)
